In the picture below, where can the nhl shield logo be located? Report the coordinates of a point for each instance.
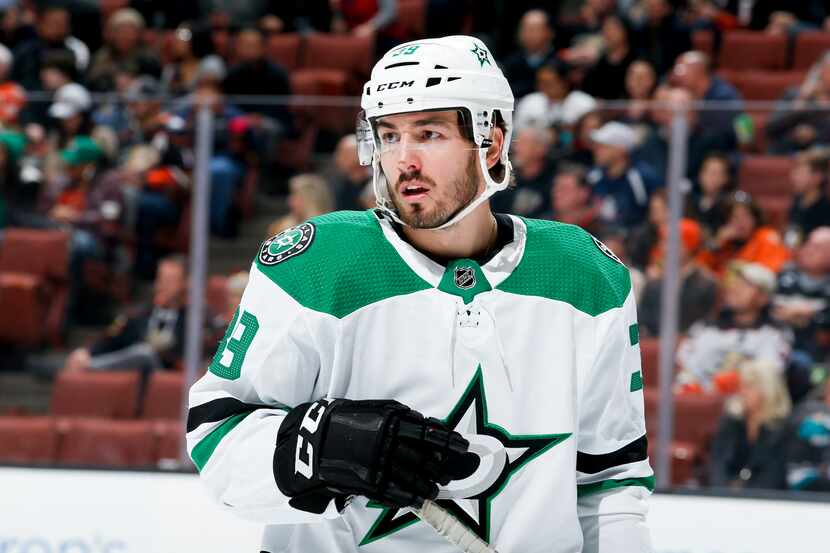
(287, 244)
(465, 277)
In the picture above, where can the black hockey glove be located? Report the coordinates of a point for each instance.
(381, 449)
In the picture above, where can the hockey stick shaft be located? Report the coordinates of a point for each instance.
(452, 529)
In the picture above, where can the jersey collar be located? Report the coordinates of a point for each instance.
(496, 270)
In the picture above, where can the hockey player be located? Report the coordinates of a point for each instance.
(429, 349)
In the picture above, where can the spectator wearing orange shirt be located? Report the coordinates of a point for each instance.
(745, 237)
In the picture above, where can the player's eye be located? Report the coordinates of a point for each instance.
(389, 138)
(431, 135)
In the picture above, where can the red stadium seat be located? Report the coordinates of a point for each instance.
(107, 443)
(650, 360)
(759, 123)
(343, 52)
(163, 396)
(765, 176)
(169, 440)
(28, 440)
(412, 16)
(44, 254)
(326, 82)
(25, 307)
(284, 49)
(809, 47)
(752, 50)
(96, 394)
(703, 40)
(763, 85)
(776, 210)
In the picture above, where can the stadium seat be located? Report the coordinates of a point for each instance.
(703, 40)
(326, 82)
(169, 438)
(763, 85)
(412, 16)
(29, 440)
(107, 443)
(759, 123)
(295, 154)
(765, 176)
(752, 50)
(163, 396)
(345, 52)
(650, 360)
(776, 210)
(44, 254)
(284, 49)
(809, 47)
(25, 307)
(96, 394)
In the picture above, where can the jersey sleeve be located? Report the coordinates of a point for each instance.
(614, 477)
(268, 362)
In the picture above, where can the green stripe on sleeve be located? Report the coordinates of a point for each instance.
(204, 449)
(634, 334)
(636, 381)
(589, 489)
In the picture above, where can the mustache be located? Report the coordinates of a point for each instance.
(416, 176)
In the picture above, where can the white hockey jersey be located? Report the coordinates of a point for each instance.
(536, 350)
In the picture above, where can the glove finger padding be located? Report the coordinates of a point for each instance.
(377, 448)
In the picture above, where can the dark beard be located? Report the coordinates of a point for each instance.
(466, 188)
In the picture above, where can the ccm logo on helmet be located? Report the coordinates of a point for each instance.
(394, 84)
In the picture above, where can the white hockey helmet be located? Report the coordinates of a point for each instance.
(454, 72)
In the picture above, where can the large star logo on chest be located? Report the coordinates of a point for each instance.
(474, 512)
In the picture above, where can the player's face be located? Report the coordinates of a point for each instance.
(430, 166)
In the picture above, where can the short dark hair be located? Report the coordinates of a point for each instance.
(61, 60)
(575, 170)
(742, 198)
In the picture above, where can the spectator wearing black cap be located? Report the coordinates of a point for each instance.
(535, 49)
(53, 33)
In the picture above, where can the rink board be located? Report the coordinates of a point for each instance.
(79, 511)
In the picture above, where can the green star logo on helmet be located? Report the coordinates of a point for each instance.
(481, 54)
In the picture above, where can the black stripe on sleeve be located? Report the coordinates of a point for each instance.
(631, 453)
(219, 409)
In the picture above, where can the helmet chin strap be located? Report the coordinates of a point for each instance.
(386, 205)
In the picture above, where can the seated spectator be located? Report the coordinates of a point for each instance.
(711, 194)
(808, 447)
(606, 79)
(662, 36)
(53, 34)
(801, 119)
(802, 301)
(578, 147)
(698, 288)
(701, 140)
(535, 49)
(811, 207)
(554, 103)
(533, 169)
(748, 445)
(255, 75)
(744, 237)
(640, 84)
(179, 75)
(308, 196)
(743, 329)
(12, 95)
(348, 176)
(145, 119)
(622, 185)
(123, 37)
(693, 72)
(571, 200)
(148, 337)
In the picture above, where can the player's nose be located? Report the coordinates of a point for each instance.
(409, 155)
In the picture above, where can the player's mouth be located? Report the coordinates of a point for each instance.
(412, 191)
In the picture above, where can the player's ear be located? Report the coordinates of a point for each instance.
(494, 151)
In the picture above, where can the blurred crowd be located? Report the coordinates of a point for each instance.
(97, 118)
